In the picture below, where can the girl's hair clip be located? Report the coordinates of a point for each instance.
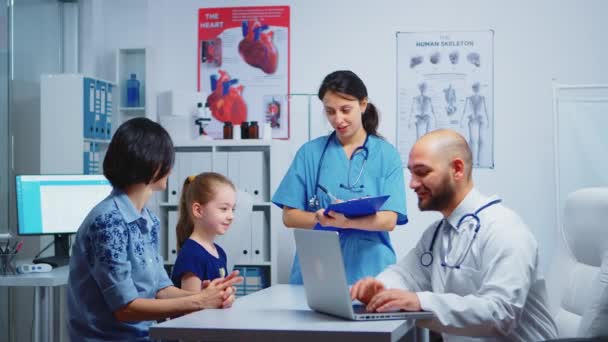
(191, 179)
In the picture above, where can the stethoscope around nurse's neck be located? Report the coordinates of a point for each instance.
(426, 259)
(313, 202)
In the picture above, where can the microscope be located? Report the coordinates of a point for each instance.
(202, 119)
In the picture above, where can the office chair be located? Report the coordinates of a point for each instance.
(578, 283)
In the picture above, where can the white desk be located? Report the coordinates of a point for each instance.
(43, 296)
(276, 313)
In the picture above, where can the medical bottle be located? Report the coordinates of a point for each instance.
(244, 130)
(267, 131)
(227, 130)
(254, 130)
(133, 92)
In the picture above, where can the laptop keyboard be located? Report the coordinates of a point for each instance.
(359, 309)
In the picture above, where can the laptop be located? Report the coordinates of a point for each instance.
(325, 279)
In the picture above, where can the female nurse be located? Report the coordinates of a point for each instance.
(353, 161)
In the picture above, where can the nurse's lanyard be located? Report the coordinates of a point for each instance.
(426, 259)
(313, 202)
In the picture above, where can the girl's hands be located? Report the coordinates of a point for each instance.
(218, 293)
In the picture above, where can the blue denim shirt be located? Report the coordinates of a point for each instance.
(114, 261)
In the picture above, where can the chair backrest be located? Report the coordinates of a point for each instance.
(582, 249)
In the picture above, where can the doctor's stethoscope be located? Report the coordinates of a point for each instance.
(313, 201)
(426, 259)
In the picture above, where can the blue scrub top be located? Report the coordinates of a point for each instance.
(365, 253)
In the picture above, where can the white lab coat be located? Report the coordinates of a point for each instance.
(498, 293)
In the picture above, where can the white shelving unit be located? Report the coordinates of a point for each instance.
(131, 61)
(75, 124)
(247, 164)
(57, 138)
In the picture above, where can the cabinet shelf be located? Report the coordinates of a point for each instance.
(97, 141)
(226, 143)
(263, 263)
(132, 60)
(132, 109)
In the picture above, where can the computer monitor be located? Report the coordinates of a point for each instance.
(57, 205)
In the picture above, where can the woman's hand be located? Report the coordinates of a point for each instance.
(332, 218)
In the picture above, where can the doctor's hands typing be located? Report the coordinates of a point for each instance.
(378, 299)
(394, 300)
(365, 289)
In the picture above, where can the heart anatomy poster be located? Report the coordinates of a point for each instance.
(243, 66)
(445, 80)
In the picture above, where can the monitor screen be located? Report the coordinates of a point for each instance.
(57, 204)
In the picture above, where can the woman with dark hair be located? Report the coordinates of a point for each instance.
(118, 285)
(351, 162)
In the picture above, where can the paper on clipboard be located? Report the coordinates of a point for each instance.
(358, 207)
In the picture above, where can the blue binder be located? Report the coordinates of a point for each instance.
(89, 108)
(108, 111)
(358, 207)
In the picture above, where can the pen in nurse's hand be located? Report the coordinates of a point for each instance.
(333, 198)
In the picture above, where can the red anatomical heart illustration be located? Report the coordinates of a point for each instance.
(257, 48)
(225, 101)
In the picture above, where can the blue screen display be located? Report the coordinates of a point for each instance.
(57, 204)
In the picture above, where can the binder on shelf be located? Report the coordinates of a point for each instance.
(97, 117)
(91, 158)
(100, 121)
(247, 169)
(186, 164)
(86, 160)
(89, 108)
(259, 237)
(255, 278)
(172, 217)
(109, 111)
(102, 111)
(358, 207)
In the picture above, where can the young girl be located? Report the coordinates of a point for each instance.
(117, 285)
(206, 209)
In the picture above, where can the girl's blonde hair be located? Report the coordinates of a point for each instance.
(201, 189)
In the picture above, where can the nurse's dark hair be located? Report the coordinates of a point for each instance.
(201, 188)
(348, 83)
(141, 151)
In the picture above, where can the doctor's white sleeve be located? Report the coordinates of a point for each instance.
(408, 273)
(509, 258)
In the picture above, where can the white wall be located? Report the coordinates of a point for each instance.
(535, 42)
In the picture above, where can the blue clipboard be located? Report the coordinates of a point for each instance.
(358, 207)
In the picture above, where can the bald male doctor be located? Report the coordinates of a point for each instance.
(476, 269)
